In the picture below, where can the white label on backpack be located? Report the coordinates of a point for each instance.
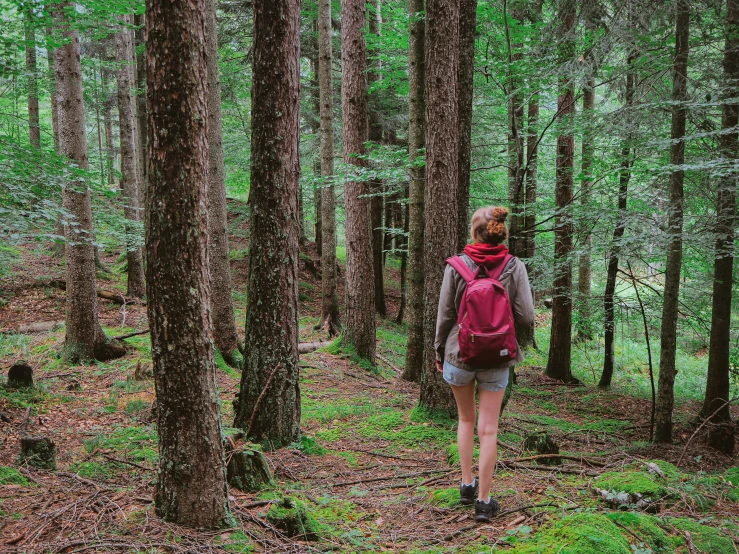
(504, 352)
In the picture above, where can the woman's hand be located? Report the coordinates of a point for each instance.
(439, 366)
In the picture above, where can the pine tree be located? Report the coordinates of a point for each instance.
(34, 129)
(271, 358)
(359, 322)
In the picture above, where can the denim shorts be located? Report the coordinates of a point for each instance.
(494, 380)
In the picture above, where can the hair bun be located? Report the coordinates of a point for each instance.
(500, 214)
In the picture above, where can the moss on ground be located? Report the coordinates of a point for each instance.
(445, 498)
(293, 518)
(583, 533)
(11, 476)
(308, 445)
(646, 529)
(94, 470)
(706, 539)
(634, 482)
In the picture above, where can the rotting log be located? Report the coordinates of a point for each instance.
(20, 375)
(114, 297)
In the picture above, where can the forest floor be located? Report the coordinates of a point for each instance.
(372, 472)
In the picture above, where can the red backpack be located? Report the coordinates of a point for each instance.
(487, 334)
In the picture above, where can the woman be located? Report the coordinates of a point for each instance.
(487, 249)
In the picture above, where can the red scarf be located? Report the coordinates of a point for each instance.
(486, 254)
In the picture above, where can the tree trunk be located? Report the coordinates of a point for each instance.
(315, 128)
(377, 200)
(85, 339)
(416, 143)
(34, 130)
(141, 134)
(271, 361)
(465, 76)
(403, 246)
(618, 232)
(359, 329)
(668, 336)
(584, 331)
(516, 192)
(53, 98)
(191, 484)
(224, 322)
(715, 405)
(129, 166)
(442, 186)
(560, 344)
(329, 297)
(108, 119)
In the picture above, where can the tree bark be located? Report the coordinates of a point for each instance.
(85, 339)
(618, 232)
(271, 361)
(442, 181)
(403, 246)
(224, 323)
(316, 129)
(584, 259)
(329, 296)
(416, 143)
(129, 166)
(560, 344)
(54, 109)
(377, 201)
(108, 120)
(191, 483)
(359, 329)
(516, 192)
(34, 129)
(718, 385)
(466, 78)
(141, 134)
(668, 336)
(532, 156)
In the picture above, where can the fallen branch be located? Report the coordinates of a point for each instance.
(388, 363)
(307, 347)
(388, 478)
(117, 460)
(560, 456)
(35, 327)
(554, 469)
(114, 297)
(129, 335)
(691, 545)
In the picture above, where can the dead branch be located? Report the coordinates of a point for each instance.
(129, 335)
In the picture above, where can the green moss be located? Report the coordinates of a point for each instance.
(445, 498)
(293, 518)
(237, 542)
(11, 476)
(632, 482)
(732, 476)
(421, 414)
(93, 470)
(645, 527)
(345, 349)
(309, 446)
(137, 443)
(452, 454)
(670, 472)
(582, 533)
(706, 539)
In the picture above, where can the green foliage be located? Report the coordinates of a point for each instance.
(94, 470)
(445, 498)
(136, 407)
(581, 533)
(135, 443)
(11, 476)
(308, 445)
(340, 347)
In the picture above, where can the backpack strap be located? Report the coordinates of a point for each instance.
(462, 268)
(498, 271)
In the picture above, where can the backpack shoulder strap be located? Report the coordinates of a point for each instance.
(462, 268)
(501, 268)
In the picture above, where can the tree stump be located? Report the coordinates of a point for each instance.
(542, 443)
(38, 451)
(247, 470)
(20, 376)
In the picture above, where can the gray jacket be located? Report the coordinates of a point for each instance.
(516, 281)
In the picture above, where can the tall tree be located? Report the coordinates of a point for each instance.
(129, 167)
(34, 129)
(52, 95)
(329, 296)
(224, 322)
(442, 180)
(376, 185)
(560, 344)
(668, 336)
(584, 270)
(416, 144)
(359, 323)
(108, 101)
(465, 77)
(85, 339)
(620, 228)
(716, 403)
(141, 134)
(271, 361)
(191, 482)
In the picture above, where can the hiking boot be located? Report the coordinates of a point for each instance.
(485, 511)
(468, 493)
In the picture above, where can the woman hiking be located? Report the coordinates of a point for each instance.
(484, 291)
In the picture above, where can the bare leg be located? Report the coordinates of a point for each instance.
(465, 397)
(487, 430)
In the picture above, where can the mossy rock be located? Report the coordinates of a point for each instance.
(582, 533)
(293, 518)
(706, 539)
(635, 483)
(11, 476)
(445, 498)
(645, 527)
